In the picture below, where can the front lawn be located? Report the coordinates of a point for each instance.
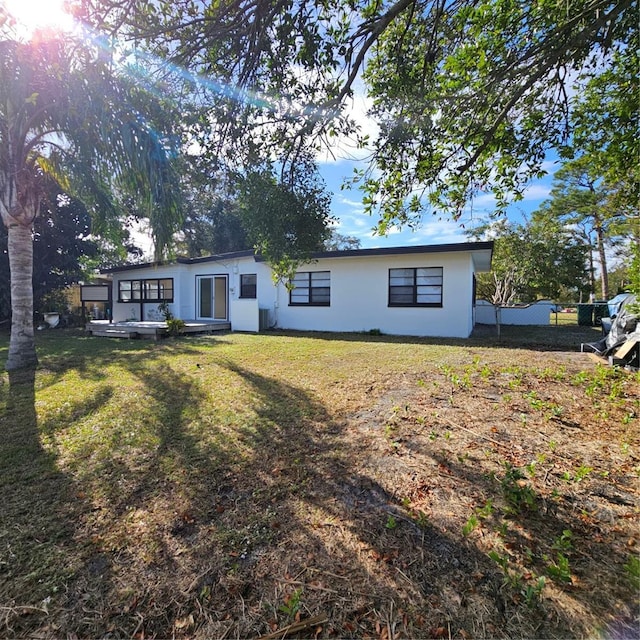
(355, 486)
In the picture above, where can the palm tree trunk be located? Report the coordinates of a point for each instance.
(22, 348)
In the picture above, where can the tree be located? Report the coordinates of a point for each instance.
(212, 225)
(469, 94)
(584, 203)
(531, 261)
(605, 121)
(67, 114)
(62, 244)
(339, 242)
(286, 222)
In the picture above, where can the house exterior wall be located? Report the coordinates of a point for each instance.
(359, 295)
(360, 298)
(131, 310)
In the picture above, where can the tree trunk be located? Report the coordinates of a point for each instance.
(592, 271)
(22, 348)
(604, 274)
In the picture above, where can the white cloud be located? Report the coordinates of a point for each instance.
(536, 191)
(345, 148)
(550, 166)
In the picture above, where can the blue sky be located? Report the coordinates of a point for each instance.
(347, 207)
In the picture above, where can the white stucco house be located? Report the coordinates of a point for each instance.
(424, 290)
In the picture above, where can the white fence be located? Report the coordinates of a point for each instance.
(530, 314)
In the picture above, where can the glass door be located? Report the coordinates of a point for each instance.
(211, 294)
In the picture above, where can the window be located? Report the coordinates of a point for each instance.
(311, 288)
(415, 287)
(248, 285)
(153, 290)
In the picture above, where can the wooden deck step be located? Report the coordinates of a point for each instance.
(114, 333)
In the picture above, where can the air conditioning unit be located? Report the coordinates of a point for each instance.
(263, 319)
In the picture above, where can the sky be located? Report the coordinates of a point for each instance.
(348, 209)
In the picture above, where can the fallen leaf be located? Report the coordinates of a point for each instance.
(183, 623)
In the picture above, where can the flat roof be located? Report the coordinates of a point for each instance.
(482, 247)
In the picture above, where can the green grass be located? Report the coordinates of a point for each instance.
(190, 486)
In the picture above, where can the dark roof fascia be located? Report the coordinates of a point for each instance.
(167, 263)
(346, 253)
(247, 253)
(132, 267)
(397, 251)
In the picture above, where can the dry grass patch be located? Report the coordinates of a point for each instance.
(355, 486)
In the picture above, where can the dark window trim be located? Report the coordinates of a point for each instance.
(143, 290)
(252, 288)
(415, 303)
(310, 288)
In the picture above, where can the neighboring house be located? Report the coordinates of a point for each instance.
(419, 290)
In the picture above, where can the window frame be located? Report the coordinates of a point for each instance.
(252, 287)
(144, 286)
(415, 287)
(313, 292)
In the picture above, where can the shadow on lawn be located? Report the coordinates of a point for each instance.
(40, 506)
(542, 338)
(211, 532)
(348, 544)
(533, 528)
(72, 349)
(52, 566)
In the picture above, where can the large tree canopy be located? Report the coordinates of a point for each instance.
(286, 222)
(469, 94)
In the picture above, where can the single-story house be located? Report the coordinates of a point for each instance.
(424, 290)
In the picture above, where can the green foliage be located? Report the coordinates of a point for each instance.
(564, 541)
(62, 247)
(605, 124)
(519, 495)
(478, 90)
(559, 568)
(212, 225)
(468, 96)
(76, 120)
(175, 326)
(286, 222)
(531, 261)
(590, 211)
(291, 604)
(533, 592)
(634, 276)
(470, 525)
(339, 242)
(632, 571)
(56, 301)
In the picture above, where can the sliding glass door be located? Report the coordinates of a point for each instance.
(211, 294)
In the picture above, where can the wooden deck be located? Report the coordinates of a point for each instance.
(150, 329)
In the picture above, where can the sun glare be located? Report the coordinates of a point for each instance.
(33, 15)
